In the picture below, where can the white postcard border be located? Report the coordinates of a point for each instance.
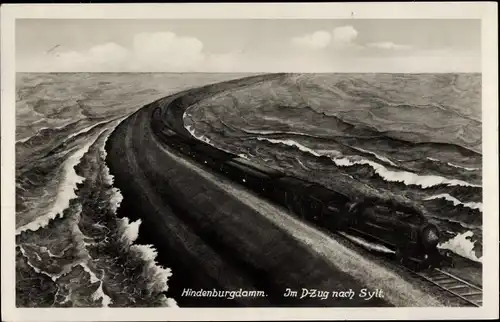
(485, 11)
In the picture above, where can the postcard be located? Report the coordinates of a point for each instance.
(249, 161)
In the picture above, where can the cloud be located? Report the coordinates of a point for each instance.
(341, 38)
(338, 37)
(317, 40)
(344, 35)
(388, 45)
(168, 50)
(149, 52)
(171, 52)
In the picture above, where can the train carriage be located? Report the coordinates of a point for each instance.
(250, 174)
(401, 228)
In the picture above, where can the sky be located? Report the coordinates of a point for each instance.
(248, 45)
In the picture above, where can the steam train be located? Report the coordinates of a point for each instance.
(408, 233)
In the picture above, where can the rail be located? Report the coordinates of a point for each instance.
(466, 291)
(457, 287)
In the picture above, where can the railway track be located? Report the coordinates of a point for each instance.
(465, 291)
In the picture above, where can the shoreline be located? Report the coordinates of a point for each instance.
(187, 245)
(178, 241)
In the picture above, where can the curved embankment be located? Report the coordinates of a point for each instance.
(214, 235)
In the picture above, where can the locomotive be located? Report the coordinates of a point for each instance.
(402, 229)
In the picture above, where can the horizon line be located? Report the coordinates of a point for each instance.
(282, 72)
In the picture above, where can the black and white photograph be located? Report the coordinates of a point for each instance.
(249, 162)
